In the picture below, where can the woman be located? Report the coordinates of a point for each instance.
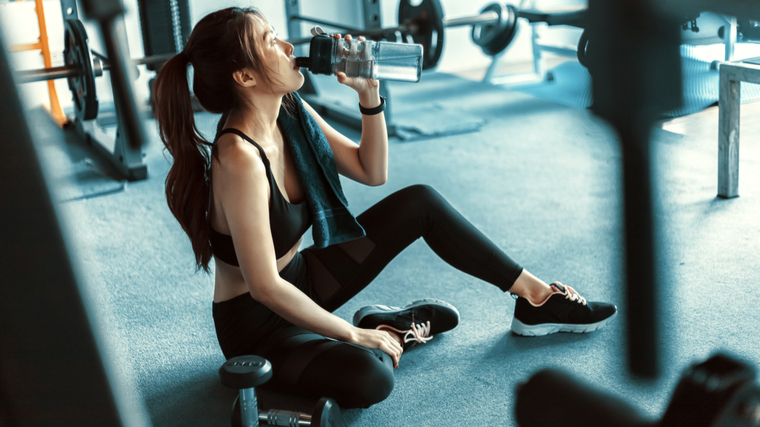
(274, 301)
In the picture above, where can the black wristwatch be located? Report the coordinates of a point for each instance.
(372, 111)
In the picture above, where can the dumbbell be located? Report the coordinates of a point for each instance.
(245, 373)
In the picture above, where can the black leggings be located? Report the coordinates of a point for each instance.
(311, 364)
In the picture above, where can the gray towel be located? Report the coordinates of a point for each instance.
(315, 165)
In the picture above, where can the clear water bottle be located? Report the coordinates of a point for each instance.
(368, 59)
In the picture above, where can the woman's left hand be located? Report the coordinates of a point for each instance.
(359, 84)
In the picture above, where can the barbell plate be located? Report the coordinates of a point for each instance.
(424, 23)
(76, 55)
(494, 38)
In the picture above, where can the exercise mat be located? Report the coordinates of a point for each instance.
(572, 83)
(421, 110)
(72, 174)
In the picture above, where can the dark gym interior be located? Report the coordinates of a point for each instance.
(597, 142)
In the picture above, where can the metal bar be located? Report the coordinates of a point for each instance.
(325, 23)
(153, 59)
(44, 74)
(730, 38)
(567, 50)
(482, 19)
(729, 107)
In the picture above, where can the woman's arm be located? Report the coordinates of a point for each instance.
(244, 193)
(367, 162)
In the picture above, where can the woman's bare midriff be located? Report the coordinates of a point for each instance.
(229, 282)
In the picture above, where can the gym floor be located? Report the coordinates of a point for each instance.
(541, 180)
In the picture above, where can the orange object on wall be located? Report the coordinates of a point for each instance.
(55, 107)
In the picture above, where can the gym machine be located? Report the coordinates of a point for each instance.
(245, 373)
(636, 75)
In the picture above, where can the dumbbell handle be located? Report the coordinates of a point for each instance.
(276, 417)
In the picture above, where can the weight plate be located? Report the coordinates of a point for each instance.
(583, 49)
(483, 34)
(424, 24)
(245, 372)
(326, 413)
(76, 54)
(494, 38)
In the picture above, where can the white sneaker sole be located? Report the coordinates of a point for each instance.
(376, 309)
(521, 328)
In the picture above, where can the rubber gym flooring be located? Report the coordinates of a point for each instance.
(542, 180)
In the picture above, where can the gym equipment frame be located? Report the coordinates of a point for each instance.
(732, 74)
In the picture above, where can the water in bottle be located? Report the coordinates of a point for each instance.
(367, 59)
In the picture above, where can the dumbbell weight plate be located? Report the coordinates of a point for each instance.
(76, 54)
(494, 38)
(425, 24)
(244, 372)
(326, 413)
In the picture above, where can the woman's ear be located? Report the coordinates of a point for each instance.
(244, 78)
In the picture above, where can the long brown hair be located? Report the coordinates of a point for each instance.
(220, 44)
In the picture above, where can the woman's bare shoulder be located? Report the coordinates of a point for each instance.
(237, 157)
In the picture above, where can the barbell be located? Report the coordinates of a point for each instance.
(80, 69)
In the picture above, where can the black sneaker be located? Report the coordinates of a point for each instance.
(416, 322)
(563, 311)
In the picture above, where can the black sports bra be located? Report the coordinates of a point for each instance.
(287, 221)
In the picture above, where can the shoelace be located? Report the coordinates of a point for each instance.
(569, 293)
(572, 294)
(419, 332)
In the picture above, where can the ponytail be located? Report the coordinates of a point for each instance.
(220, 44)
(187, 190)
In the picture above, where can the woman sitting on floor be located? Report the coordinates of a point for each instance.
(270, 174)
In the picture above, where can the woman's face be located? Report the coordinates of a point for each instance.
(285, 76)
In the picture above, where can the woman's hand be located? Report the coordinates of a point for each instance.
(360, 85)
(383, 340)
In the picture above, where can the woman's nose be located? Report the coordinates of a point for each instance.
(289, 47)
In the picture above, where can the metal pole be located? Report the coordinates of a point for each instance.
(42, 74)
(482, 19)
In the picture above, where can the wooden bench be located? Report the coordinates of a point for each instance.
(729, 104)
